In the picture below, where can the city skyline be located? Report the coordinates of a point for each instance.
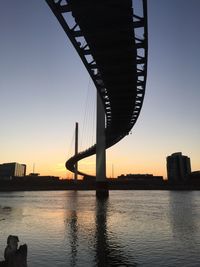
(175, 155)
(42, 77)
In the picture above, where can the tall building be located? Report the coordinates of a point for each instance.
(12, 169)
(178, 167)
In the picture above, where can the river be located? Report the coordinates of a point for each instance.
(130, 228)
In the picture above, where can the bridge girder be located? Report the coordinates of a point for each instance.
(105, 35)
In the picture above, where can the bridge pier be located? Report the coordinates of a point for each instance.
(102, 190)
(101, 181)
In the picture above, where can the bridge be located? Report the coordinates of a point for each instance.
(111, 39)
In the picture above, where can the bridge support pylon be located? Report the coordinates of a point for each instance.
(101, 181)
(76, 153)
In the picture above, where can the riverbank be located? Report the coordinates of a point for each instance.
(80, 185)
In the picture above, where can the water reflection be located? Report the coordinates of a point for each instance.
(108, 251)
(182, 215)
(89, 232)
(73, 228)
(102, 247)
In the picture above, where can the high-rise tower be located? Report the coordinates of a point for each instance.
(178, 167)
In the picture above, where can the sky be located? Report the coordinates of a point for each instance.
(45, 89)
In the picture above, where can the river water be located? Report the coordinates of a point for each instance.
(131, 228)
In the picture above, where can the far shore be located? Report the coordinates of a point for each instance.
(80, 185)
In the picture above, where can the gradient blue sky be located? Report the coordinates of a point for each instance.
(44, 88)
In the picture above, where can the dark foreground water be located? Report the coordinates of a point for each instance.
(131, 228)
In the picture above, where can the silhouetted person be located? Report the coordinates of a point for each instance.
(14, 257)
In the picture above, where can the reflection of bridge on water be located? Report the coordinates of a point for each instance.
(102, 244)
(111, 40)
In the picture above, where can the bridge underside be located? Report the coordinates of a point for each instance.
(111, 40)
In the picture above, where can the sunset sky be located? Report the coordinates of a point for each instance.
(45, 89)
